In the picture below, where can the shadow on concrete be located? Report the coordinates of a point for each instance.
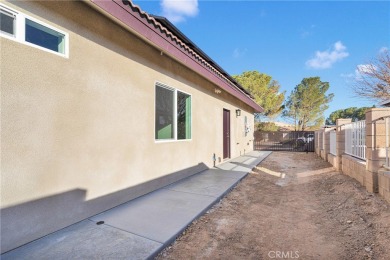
(25, 222)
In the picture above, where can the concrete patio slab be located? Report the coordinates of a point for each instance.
(244, 163)
(228, 174)
(141, 228)
(211, 183)
(158, 216)
(86, 240)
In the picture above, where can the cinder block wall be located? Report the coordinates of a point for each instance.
(326, 147)
(317, 142)
(369, 173)
(375, 146)
(384, 183)
(332, 159)
(340, 140)
(322, 143)
(327, 142)
(354, 168)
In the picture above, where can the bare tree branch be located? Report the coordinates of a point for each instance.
(373, 79)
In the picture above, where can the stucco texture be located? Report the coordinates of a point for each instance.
(77, 133)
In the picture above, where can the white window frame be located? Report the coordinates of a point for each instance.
(175, 90)
(20, 32)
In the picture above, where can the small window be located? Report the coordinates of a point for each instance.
(172, 114)
(19, 27)
(45, 37)
(7, 22)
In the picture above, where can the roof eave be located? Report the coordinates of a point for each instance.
(188, 41)
(142, 24)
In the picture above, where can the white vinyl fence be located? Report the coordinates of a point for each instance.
(355, 139)
(333, 142)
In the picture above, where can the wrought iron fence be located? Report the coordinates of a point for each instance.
(298, 141)
(355, 139)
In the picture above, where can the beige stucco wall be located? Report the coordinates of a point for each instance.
(77, 133)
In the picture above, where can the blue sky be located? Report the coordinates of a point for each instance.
(287, 40)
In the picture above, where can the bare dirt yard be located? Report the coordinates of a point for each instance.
(292, 206)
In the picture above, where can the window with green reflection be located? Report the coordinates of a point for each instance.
(172, 114)
(183, 116)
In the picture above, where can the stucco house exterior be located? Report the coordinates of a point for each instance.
(102, 103)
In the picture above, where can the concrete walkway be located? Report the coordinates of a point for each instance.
(141, 228)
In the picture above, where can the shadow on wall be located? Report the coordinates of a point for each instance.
(29, 221)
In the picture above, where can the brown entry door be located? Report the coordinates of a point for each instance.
(226, 134)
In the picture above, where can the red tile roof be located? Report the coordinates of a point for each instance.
(161, 37)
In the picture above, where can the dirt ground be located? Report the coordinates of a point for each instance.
(292, 206)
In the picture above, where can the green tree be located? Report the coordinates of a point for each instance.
(307, 102)
(265, 91)
(352, 112)
(266, 126)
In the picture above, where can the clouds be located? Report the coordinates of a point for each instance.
(178, 10)
(238, 53)
(306, 32)
(383, 49)
(325, 59)
(363, 70)
(360, 71)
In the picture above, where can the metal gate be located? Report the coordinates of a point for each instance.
(297, 141)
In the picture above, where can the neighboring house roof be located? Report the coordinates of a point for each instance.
(386, 103)
(162, 34)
